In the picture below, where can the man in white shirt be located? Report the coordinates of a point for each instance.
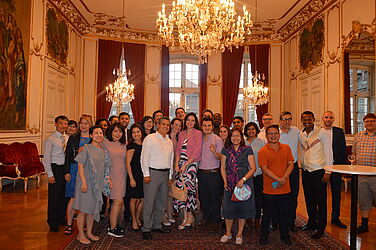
(314, 178)
(157, 166)
(53, 162)
(267, 120)
(290, 136)
(334, 142)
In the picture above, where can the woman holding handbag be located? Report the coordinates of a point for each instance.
(187, 157)
(237, 168)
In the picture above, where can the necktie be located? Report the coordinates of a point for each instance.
(63, 142)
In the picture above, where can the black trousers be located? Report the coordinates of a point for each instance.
(315, 198)
(210, 187)
(294, 186)
(258, 184)
(276, 205)
(57, 203)
(336, 186)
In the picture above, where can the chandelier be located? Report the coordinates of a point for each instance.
(120, 91)
(255, 93)
(203, 26)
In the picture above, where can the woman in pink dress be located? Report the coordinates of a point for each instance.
(116, 146)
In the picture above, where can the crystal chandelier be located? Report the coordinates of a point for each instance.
(120, 91)
(203, 26)
(255, 93)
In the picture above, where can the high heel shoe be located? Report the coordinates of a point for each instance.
(182, 225)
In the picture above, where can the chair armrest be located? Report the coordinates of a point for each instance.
(10, 166)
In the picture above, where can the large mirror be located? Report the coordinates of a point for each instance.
(360, 84)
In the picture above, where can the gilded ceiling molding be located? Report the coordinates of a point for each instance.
(308, 12)
(348, 43)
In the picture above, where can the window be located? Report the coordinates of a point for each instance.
(184, 87)
(125, 107)
(360, 95)
(247, 112)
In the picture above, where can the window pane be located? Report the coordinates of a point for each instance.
(252, 115)
(192, 103)
(352, 114)
(175, 75)
(351, 80)
(124, 108)
(191, 76)
(362, 80)
(362, 111)
(239, 111)
(174, 99)
(241, 83)
(249, 73)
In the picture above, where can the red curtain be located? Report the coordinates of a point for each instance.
(108, 58)
(165, 80)
(347, 93)
(203, 76)
(135, 62)
(259, 57)
(231, 69)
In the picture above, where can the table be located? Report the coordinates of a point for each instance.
(354, 170)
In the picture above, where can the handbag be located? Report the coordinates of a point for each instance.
(177, 193)
(241, 194)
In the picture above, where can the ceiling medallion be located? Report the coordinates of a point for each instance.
(203, 27)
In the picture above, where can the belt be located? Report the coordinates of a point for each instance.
(160, 170)
(215, 170)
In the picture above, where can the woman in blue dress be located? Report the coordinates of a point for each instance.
(75, 145)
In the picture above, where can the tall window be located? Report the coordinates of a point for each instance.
(248, 113)
(361, 98)
(125, 107)
(184, 88)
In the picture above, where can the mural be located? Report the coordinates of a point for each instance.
(57, 37)
(311, 45)
(14, 41)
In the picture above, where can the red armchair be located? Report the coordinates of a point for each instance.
(20, 161)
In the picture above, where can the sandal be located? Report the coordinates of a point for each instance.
(68, 230)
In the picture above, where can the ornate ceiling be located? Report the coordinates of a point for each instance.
(275, 20)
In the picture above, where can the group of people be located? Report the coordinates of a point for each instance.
(103, 165)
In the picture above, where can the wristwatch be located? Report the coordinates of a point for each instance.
(244, 179)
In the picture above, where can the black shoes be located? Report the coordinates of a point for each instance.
(308, 227)
(317, 234)
(55, 229)
(263, 240)
(116, 232)
(292, 228)
(362, 229)
(146, 235)
(162, 230)
(286, 240)
(338, 223)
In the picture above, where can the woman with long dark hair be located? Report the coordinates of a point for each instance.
(135, 180)
(187, 157)
(147, 124)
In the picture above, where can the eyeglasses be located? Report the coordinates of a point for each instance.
(267, 119)
(272, 133)
(286, 119)
(369, 121)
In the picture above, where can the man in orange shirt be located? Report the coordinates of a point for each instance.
(277, 163)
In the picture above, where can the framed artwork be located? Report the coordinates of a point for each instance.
(57, 37)
(14, 44)
(311, 45)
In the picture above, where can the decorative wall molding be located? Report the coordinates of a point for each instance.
(36, 48)
(213, 80)
(152, 78)
(33, 130)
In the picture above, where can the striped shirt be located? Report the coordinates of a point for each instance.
(364, 148)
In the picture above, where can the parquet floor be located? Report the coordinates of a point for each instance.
(23, 220)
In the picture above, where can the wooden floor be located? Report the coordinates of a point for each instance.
(23, 220)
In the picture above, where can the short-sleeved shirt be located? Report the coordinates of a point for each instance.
(277, 162)
(208, 160)
(364, 148)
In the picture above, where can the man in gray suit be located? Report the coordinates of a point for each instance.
(157, 165)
